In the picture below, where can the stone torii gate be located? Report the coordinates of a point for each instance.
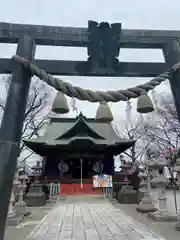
(103, 42)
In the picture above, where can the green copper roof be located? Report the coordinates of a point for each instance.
(63, 132)
(80, 129)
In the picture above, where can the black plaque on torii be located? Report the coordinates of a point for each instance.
(104, 45)
(103, 49)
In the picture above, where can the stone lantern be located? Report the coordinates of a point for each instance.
(36, 196)
(146, 205)
(20, 206)
(162, 213)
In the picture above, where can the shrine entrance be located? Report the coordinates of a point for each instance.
(80, 169)
(76, 174)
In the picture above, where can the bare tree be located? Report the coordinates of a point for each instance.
(162, 128)
(36, 115)
(167, 130)
(132, 131)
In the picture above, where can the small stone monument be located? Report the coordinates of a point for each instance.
(146, 205)
(162, 213)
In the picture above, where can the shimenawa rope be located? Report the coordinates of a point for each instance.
(94, 96)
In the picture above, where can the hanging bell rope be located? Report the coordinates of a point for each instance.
(94, 96)
(60, 104)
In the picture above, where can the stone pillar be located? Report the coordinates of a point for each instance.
(172, 56)
(12, 124)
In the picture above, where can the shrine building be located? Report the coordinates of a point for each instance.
(76, 149)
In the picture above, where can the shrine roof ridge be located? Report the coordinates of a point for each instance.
(57, 118)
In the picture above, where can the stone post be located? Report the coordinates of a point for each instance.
(12, 123)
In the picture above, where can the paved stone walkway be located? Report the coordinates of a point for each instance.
(90, 221)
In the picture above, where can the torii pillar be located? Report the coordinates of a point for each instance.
(172, 56)
(12, 124)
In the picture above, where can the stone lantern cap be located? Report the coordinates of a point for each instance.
(157, 163)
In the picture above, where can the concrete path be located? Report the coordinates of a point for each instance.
(93, 220)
